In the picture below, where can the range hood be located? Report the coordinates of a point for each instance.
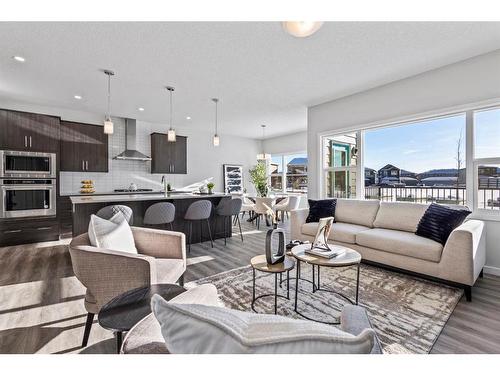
(130, 152)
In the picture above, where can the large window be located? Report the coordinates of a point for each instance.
(453, 159)
(289, 173)
(487, 159)
(340, 154)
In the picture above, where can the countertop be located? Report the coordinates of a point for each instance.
(124, 197)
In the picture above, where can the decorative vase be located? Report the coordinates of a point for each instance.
(210, 191)
(275, 253)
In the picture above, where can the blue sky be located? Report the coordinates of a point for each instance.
(426, 145)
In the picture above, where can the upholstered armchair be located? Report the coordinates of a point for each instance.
(108, 273)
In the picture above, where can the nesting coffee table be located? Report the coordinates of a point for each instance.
(349, 258)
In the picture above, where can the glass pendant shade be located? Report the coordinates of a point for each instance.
(171, 135)
(108, 126)
(216, 140)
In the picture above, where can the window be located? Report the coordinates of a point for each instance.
(487, 159)
(289, 173)
(340, 155)
(420, 162)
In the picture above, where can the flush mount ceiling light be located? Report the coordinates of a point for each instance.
(171, 137)
(77, 97)
(19, 58)
(108, 124)
(301, 29)
(216, 139)
(263, 155)
(188, 118)
(141, 109)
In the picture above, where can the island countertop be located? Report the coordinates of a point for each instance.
(86, 199)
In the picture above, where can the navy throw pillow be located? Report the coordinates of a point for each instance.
(320, 209)
(439, 221)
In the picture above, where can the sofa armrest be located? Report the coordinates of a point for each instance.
(160, 243)
(464, 253)
(297, 219)
(354, 320)
(107, 273)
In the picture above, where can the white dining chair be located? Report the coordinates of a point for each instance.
(260, 208)
(291, 203)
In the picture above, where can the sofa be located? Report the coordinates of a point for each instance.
(108, 273)
(384, 234)
(146, 336)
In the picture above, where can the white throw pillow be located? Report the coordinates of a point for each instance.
(113, 234)
(201, 329)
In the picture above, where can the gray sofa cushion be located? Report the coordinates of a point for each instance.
(399, 242)
(399, 215)
(356, 211)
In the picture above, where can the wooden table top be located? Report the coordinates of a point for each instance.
(349, 258)
(260, 263)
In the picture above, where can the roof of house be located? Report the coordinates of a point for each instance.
(298, 161)
(388, 166)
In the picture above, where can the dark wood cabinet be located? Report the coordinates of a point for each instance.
(168, 157)
(84, 148)
(23, 131)
(28, 230)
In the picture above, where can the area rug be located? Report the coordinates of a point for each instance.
(408, 313)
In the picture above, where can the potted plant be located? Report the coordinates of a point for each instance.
(258, 176)
(210, 187)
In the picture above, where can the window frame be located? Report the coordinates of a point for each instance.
(283, 172)
(471, 163)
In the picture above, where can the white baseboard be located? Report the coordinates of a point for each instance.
(492, 270)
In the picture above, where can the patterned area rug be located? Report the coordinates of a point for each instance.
(407, 313)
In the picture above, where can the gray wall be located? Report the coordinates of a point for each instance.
(469, 81)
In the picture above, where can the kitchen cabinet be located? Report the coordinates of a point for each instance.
(23, 131)
(84, 148)
(168, 157)
(28, 230)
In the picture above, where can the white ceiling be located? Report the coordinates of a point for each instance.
(260, 74)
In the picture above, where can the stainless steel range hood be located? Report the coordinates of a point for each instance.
(130, 152)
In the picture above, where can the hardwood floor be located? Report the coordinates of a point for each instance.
(41, 301)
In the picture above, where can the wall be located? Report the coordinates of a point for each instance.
(470, 81)
(204, 160)
(286, 144)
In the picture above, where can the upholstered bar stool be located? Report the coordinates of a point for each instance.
(199, 211)
(161, 213)
(226, 209)
(109, 211)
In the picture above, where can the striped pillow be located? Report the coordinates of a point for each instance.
(439, 221)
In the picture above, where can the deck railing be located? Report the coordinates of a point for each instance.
(488, 198)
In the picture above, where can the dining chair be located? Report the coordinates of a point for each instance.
(261, 210)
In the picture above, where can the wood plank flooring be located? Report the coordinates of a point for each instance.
(41, 301)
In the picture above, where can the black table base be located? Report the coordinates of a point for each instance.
(275, 295)
(316, 287)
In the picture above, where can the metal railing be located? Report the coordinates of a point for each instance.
(488, 198)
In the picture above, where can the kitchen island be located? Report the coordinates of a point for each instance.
(85, 205)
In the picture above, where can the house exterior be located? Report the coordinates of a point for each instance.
(370, 177)
(296, 174)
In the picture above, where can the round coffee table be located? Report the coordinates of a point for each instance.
(349, 258)
(123, 312)
(259, 262)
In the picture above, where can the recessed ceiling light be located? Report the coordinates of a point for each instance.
(140, 109)
(301, 29)
(19, 58)
(77, 97)
(188, 118)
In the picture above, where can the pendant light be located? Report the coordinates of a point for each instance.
(263, 155)
(171, 137)
(108, 124)
(216, 139)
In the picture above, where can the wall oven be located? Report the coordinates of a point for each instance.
(25, 164)
(27, 198)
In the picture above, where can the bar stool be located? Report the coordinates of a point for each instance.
(199, 211)
(109, 211)
(226, 209)
(159, 214)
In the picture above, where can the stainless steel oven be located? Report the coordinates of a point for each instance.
(27, 198)
(25, 164)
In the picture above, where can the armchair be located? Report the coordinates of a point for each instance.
(108, 273)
